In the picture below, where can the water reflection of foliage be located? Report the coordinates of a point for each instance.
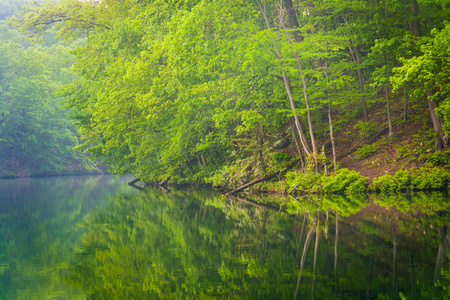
(160, 246)
(37, 221)
(194, 245)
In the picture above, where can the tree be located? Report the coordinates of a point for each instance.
(35, 135)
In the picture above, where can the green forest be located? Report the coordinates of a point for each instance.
(225, 92)
(36, 137)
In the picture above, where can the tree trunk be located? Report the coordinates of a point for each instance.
(253, 182)
(294, 138)
(164, 182)
(260, 150)
(354, 52)
(437, 122)
(293, 23)
(415, 24)
(363, 98)
(333, 146)
(388, 108)
(330, 120)
(305, 92)
(133, 184)
(287, 85)
(405, 107)
(198, 159)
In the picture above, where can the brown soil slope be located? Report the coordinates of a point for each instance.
(407, 134)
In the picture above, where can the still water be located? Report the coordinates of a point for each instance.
(97, 238)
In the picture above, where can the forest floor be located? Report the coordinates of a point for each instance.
(407, 136)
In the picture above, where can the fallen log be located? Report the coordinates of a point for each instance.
(134, 181)
(165, 190)
(164, 182)
(258, 180)
(132, 184)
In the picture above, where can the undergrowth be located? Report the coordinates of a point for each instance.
(351, 182)
(413, 180)
(343, 181)
(367, 150)
(421, 149)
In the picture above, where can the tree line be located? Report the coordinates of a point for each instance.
(209, 91)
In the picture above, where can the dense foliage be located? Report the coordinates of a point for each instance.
(208, 91)
(36, 137)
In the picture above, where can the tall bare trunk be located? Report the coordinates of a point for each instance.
(388, 108)
(354, 52)
(415, 24)
(287, 85)
(260, 133)
(437, 122)
(296, 118)
(293, 23)
(294, 138)
(330, 120)
(356, 57)
(305, 86)
(405, 106)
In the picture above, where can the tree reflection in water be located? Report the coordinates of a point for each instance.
(196, 244)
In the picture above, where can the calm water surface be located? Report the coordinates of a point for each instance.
(97, 238)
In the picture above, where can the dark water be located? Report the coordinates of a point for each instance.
(195, 244)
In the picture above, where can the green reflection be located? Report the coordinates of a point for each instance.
(184, 245)
(38, 231)
(156, 245)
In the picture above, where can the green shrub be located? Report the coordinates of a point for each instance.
(344, 181)
(436, 159)
(308, 182)
(407, 180)
(366, 128)
(367, 150)
(403, 179)
(385, 183)
(431, 179)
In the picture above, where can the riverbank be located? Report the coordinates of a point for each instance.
(405, 160)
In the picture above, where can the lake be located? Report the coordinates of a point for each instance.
(97, 238)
